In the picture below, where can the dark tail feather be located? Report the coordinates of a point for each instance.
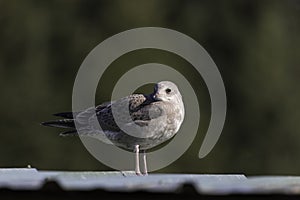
(69, 133)
(61, 123)
(68, 115)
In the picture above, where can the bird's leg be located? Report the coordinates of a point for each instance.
(145, 171)
(137, 160)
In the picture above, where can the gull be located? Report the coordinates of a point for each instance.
(136, 123)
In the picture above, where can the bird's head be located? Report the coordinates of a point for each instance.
(166, 91)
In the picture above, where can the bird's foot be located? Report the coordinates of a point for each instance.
(145, 174)
(138, 174)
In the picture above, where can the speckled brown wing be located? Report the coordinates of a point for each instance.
(141, 111)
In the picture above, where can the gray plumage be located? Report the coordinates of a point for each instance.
(159, 115)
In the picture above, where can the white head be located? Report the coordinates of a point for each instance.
(166, 91)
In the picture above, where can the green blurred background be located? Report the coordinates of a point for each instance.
(255, 44)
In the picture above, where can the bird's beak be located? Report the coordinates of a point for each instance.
(156, 97)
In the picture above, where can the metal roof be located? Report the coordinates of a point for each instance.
(115, 181)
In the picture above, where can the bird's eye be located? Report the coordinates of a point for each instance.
(168, 91)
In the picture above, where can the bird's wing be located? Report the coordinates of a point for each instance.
(139, 107)
(105, 117)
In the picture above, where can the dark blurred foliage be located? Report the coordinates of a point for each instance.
(255, 44)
